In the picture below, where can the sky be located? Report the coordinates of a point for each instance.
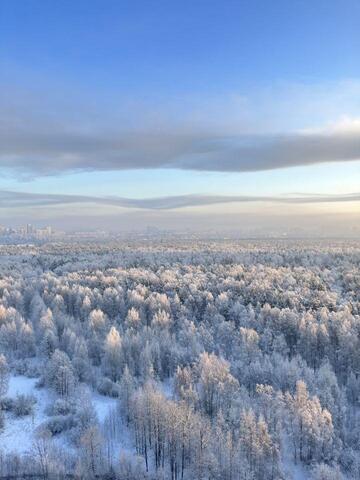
(212, 115)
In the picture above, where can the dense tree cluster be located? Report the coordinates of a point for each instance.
(234, 361)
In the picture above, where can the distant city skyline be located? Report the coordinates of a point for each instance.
(236, 115)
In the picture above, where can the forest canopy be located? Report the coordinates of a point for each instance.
(219, 360)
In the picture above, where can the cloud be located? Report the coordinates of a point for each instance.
(51, 134)
(25, 200)
(40, 152)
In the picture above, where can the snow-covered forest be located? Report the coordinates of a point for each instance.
(180, 360)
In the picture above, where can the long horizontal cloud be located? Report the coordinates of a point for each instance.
(10, 200)
(34, 151)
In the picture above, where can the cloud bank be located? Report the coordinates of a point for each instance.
(35, 152)
(12, 200)
(51, 134)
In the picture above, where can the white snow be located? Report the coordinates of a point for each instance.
(21, 385)
(292, 471)
(166, 388)
(121, 441)
(18, 435)
(102, 405)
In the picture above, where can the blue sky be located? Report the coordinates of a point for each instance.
(144, 99)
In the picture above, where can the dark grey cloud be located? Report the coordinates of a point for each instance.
(50, 133)
(255, 153)
(34, 150)
(11, 200)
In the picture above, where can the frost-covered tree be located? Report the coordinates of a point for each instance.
(91, 452)
(311, 426)
(113, 359)
(60, 374)
(4, 375)
(216, 385)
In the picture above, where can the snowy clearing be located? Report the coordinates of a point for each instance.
(18, 435)
(20, 432)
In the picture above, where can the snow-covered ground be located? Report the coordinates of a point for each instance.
(102, 405)
(18, 435)
(20, 432)
(292, 471)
